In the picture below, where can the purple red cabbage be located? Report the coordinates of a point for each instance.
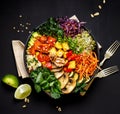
(71, 27)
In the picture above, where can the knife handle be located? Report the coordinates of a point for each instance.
(87, 87)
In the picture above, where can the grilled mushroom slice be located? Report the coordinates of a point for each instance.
(56, 69)
(59, 62)
(63, 80)
(70, 86)
(59, 74)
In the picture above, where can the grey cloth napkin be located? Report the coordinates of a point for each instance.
(18, 50)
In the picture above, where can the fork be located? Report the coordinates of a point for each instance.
(107, 71)
(103, 73)
(110, 51)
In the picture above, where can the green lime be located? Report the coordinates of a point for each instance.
(11, 80)
(23, 91)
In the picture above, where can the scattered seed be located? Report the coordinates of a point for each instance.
(18, 30)
(14, 28)
(59, 108)
(26, 28)
(20, 24)
(29, 32)
(22, 30)
(96, 14)
(104, 1)
(26, 100)
(29, 23)
(20, 16)
(24, 106)
(23, 25)
(92, 15)
(99, 6)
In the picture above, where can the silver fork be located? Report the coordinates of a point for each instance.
(107, 71)
(110, 51)
(103, 73)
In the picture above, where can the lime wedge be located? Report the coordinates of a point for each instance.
(11, 80)
(23, 91)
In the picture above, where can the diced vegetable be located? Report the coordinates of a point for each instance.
(72, 65)
(65, 46)
(52, 52)
(60, 53)
(58, 45)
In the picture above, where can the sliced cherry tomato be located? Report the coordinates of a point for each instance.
(43, 58)
(69, 53)
(72, 57)
(46, 58)
(37, 44)
(44, 48)
(67, 69)
(40, 57)
(48, 65)
(51, 40)
(43, 39)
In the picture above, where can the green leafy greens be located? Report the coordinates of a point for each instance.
(45, 80)
(51, 28)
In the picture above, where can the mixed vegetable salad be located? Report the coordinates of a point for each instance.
(60, 56)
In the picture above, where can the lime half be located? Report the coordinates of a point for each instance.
(11, 80)
(23, 91)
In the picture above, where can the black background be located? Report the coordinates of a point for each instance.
(103, 97)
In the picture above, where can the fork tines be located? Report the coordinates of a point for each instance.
(111, 70)
(114, 46)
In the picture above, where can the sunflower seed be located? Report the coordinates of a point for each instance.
(104, 1)
(92, 15)
(99, 6)
(96, 14)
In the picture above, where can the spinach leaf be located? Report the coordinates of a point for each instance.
(45, 80)
(50, 28)
(37, 88)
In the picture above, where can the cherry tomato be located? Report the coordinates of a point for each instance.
(69, 53)
(40, 57)
(67, 69)
(48, 65)
(51, 40)
(43, 39)
(72, 57)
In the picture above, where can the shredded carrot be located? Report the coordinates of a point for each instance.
(86, 64)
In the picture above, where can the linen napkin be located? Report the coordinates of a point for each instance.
(18, 50)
